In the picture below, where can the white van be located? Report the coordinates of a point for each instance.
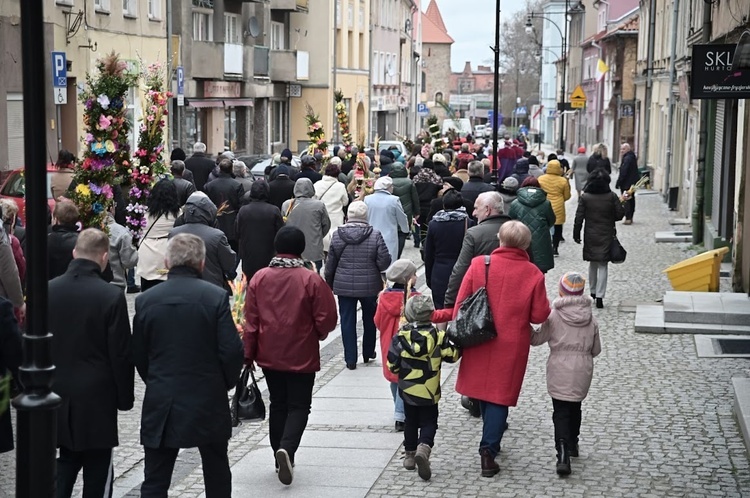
(462, 126)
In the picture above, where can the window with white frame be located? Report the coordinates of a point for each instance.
(350, 16)
(361, 18)
(338, 12)
(101, 5)
(231, 29)
(278, 36)
(129, 8)
(277, 133)
(203, 29)
(154, 9)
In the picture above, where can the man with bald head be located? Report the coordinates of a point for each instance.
(479, 240)
(88, 320)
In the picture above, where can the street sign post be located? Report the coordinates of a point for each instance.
(59, 78)
(578, 98)
(180, 86)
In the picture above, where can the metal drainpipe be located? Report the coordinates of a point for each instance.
(670, 119)
(334, 123)
(649, 79)
(698, 208)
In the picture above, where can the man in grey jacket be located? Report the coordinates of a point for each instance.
(10, 283)
(309, 215)
(479, 240)
(122, 253)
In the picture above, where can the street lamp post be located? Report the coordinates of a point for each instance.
(36, 407)
(496, 87)
(563, 58)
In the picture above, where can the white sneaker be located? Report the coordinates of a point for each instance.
(286, 471)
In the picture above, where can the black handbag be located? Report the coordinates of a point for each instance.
(617, 253)
(474, 324)
(247, 402)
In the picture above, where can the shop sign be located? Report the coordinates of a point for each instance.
(221, 89)
(712, 76)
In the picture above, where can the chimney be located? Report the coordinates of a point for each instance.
(467, 67)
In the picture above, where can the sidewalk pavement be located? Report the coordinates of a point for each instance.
(658, 420)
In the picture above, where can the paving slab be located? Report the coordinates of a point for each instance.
(347, 439)
(649, 319)
(741, 387)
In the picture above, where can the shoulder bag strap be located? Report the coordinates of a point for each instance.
(289, 209)
(486, 269)
(329, 188)
(147, 232)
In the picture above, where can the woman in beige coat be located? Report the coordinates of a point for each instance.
(573, 336)
(163, 209)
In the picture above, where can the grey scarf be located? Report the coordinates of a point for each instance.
(452, 215)
(288, 263)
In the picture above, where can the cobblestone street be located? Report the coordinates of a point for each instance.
(658, 420)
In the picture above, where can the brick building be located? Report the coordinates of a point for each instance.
(436, 60)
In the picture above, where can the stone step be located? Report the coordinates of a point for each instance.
(649, 319)
(741, 387)
(684, 236)
(716, 308)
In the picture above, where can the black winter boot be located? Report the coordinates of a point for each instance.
(563, 458)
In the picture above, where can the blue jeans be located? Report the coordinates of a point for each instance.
(398, 403)
(494, 418)
(130, 276)
(348, 313)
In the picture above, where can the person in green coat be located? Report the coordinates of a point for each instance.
(405, 190)
(532, 208)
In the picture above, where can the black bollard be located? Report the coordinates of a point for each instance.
(36, 407)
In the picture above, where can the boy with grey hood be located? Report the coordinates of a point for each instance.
(309, 215)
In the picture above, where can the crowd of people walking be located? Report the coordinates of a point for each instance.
(326, 238)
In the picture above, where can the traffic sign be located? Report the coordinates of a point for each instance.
(60, 95)
(422, 109)
(59, 70)
(180, 80)
(578, 98)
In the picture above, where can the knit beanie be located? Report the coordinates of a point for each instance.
(401, 271)
(419, 309)
(290, 240)
(572, 284)
(357, 211)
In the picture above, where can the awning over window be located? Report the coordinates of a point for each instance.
(202, 103)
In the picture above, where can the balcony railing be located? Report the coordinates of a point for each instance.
(261, 57)
(293, 5)
(233, 57)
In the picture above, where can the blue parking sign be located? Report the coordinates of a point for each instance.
(180, 80)
(59, 70)
(422, 109)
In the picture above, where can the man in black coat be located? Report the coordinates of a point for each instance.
(184, 187)
(257, 224)
(226, 193)
(281, 188)
(475, 186)
(62, 239)
(94, 372)
(309, 169)
(200, 165)
(629, 176)
(187, 351)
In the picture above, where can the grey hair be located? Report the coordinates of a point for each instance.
(239, 168)
(177, 166)
(186, 249)
(494, 200)
(476, 168)
(601, 149)
(199, 147)
(625, 146)
(336, 161)
(9, 209)
(514, 234)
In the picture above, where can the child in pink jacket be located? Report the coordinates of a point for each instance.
(573, 336)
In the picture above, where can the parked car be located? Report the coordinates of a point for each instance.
(387, 144)
(258, 170)
(480, 131)
(14, 188)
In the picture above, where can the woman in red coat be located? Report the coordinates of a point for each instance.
(493, 372)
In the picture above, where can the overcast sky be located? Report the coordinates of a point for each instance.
(472, 24)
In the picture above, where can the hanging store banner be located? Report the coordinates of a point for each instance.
(712, 76)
